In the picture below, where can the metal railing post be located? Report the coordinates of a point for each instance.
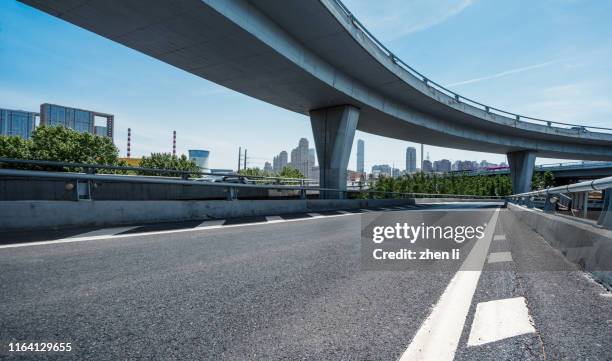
(232, 194)
(550, 203)
(605, 218)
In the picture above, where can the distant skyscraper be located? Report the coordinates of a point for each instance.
(411, 158)
(442, 166)
(267, 167)
(82, 121)
(384, 170)
(279, 162)
(17, 122)
(427, 167)
(200, 157)
(299, 157)
(360, 155)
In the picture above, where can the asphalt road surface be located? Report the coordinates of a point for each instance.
(293, 288)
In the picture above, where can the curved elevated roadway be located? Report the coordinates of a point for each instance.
(315, 58)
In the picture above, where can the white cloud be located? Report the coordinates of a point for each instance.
(504, 73)
(393, 19)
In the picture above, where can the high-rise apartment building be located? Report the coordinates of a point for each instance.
(279, 162)
(442, 166)
(299, 158)
(360, 155)
(411, 159)
(77, 119)
(17, 122)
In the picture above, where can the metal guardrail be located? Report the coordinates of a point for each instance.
(541, 167)
(556, 195)
(459, 98)
(83, 182)
(93, 168)
(594, 185)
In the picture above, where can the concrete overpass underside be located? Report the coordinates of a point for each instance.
(307, 56)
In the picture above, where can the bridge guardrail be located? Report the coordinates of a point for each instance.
(92, 168)
(83, 181)
(459, 98)
(602, 184)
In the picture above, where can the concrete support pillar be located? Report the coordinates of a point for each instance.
(521, 170)
(605, 217)
(333, 129)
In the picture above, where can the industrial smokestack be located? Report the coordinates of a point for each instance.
(174, 143)
(129, 142)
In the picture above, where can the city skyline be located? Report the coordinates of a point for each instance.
(118, 80)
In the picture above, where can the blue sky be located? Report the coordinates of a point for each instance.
(544, 58)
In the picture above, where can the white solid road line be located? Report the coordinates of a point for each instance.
(105, 232)
(170, 231)
(495, 257)
(499, 237)
(500, 319)
(439, 335)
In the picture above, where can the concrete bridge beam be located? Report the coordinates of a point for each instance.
(521, 170)
(334, 129)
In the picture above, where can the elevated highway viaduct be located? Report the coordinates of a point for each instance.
(315, 58)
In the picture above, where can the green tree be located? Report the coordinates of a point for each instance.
(290, 172)
(57, 143)
(167, 161)
(480, 185)
(548, 179)
(254, 172)
(14, 147)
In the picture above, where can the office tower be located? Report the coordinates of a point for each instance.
(267, 167)
(360, 155)
(81, 120)
(411, 156)
(17, 122)
(427, 166)
(200, 157)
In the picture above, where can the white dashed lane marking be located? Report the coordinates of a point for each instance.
(438, 337)
(500, 319)
(495, 257)
(105, 232)
(273, 218)
(499, 237)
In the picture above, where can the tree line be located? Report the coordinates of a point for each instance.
(476, 185)
(60, 144)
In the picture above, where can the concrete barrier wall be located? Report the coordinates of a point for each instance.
(27, 215)
(15, 189)
(582, 243)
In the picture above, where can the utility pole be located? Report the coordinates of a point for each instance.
(239, 157)
(245, 159)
